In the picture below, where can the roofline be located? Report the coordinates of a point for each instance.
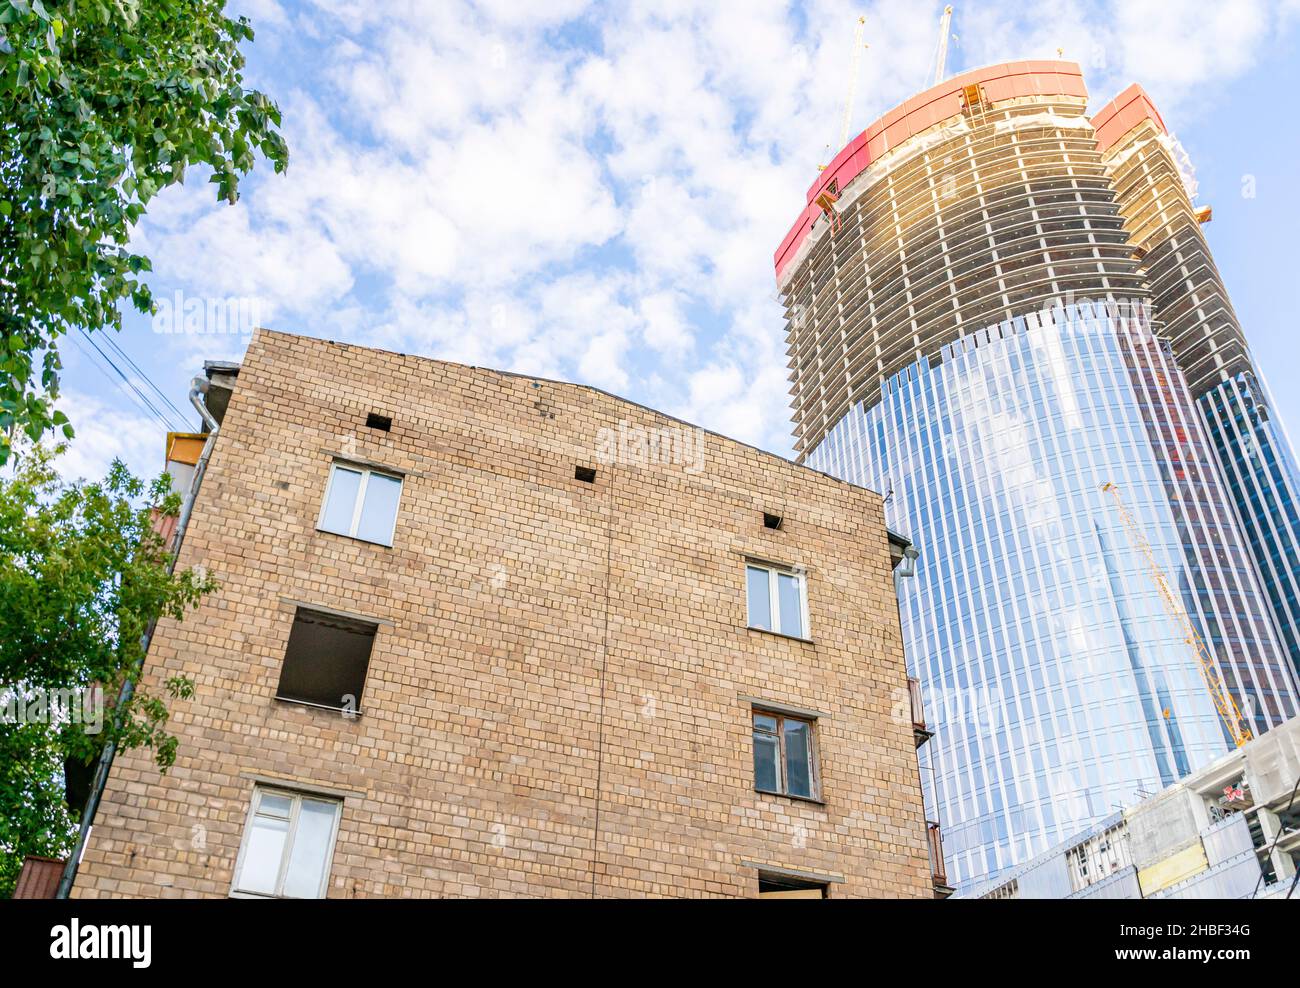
(584, 387)
(1126, 111)
(919, 113)
(902, 541)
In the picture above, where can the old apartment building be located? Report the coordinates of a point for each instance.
(480, 634)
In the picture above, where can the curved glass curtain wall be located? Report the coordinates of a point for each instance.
(1262, 475)
(1059, 686)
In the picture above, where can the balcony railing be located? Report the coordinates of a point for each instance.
(919, 730)
(938, 872)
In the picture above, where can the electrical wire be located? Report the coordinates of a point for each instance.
(135, 402)
(125, 380)
(109, 338)
(122, 374)
(132, 394)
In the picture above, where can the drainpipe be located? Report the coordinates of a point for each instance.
(907, 568)
(198, 387)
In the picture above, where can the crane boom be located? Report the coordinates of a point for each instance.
(853, 83)
(942, 61)
(1229, 713)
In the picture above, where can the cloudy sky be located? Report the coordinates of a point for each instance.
(594, 191)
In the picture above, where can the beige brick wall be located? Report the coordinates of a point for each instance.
(557, 704)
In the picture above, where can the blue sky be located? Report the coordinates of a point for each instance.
(594, 191)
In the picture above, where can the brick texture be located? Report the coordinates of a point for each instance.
(558, 701)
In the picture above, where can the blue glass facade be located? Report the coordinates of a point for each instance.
(1191, 301)
(1265, 483)
(1058, 686)
(937, 355)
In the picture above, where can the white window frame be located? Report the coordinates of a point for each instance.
(365, 472)
(297, 797)
(774, 599)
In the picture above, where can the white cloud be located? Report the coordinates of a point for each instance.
(285, 267)
(595, 193)
(665, 328)
(105, 432)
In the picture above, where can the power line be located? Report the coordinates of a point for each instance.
(143, 406)
(129, 383)
(112, 342)
(139, 406)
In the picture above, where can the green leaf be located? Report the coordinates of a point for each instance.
(105, 104)
(82, 574)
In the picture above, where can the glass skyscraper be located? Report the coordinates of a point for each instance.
(1154, 183)
(978, 329)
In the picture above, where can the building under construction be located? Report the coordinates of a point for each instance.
(1229, 831)
(997, 304)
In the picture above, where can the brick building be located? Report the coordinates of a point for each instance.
(480, 634)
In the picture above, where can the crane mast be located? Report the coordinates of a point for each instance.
(852, 93)
(853, 82)
(1227, 707)
(942, 60)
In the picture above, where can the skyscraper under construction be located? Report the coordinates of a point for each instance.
(996, 305)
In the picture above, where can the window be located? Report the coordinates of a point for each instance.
(288, 844)
(1010, 890)
(784, 755)
(361, 503)
(772, 886)
(1098, 857)
(326, 661)
(777, 601)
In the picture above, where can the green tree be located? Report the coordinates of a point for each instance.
(103, 103)
(84, 574)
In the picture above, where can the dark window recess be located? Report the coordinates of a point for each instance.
(326, 660)
(782, 887)
(376, 421)
(772, 521)
(586, 474)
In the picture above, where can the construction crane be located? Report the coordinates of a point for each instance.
(941, 61)
(1229, 713)
(858, 46)
(853, 80)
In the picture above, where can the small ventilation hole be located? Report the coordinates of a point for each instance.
(586, 474)
(376, 421)
(771, 521)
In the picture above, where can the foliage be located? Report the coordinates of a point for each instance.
(104, 103)
(84, 574)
